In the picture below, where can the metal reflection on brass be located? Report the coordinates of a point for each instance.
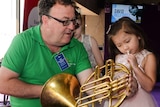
(63, 90)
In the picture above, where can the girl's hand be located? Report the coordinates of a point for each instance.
(132, 60)
(133, 86)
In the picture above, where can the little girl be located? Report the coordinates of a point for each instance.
(127, 46)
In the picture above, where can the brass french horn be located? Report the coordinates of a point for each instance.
(63, 90)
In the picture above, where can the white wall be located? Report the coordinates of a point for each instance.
(9, 23)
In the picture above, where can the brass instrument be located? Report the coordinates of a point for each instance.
(63, 90)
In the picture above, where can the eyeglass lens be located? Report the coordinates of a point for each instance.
(64, 22)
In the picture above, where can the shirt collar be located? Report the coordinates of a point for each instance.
(38, 37)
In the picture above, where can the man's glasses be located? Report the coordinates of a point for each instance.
(64, 22)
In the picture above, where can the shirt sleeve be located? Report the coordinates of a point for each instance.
(83, 62)
(14, 58)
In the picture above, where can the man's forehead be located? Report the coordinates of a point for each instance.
(63, 10)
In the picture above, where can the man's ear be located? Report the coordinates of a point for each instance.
(44, 19)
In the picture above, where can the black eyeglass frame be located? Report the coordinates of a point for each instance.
(64, 22)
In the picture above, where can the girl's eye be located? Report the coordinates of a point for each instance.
(118, 45)
(127, 41)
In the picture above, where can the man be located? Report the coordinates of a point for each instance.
(42, 51)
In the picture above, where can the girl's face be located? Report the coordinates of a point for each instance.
(78, 30)
(126, 42)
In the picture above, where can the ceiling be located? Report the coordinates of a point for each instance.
(90, 7)
(85, 10)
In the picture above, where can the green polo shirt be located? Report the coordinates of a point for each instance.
(35, 63)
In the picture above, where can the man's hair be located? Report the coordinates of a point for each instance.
(46, 5)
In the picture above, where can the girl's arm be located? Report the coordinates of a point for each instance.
(146, 78)
(96, 52)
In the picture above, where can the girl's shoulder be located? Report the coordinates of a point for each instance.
(143, 53)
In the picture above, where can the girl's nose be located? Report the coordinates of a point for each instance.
(125, 47)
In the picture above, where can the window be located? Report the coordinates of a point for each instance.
(7, 24)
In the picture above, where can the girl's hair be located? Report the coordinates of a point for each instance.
(46, 5)
(130, 27)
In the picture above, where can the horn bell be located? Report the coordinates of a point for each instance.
(60, 91)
